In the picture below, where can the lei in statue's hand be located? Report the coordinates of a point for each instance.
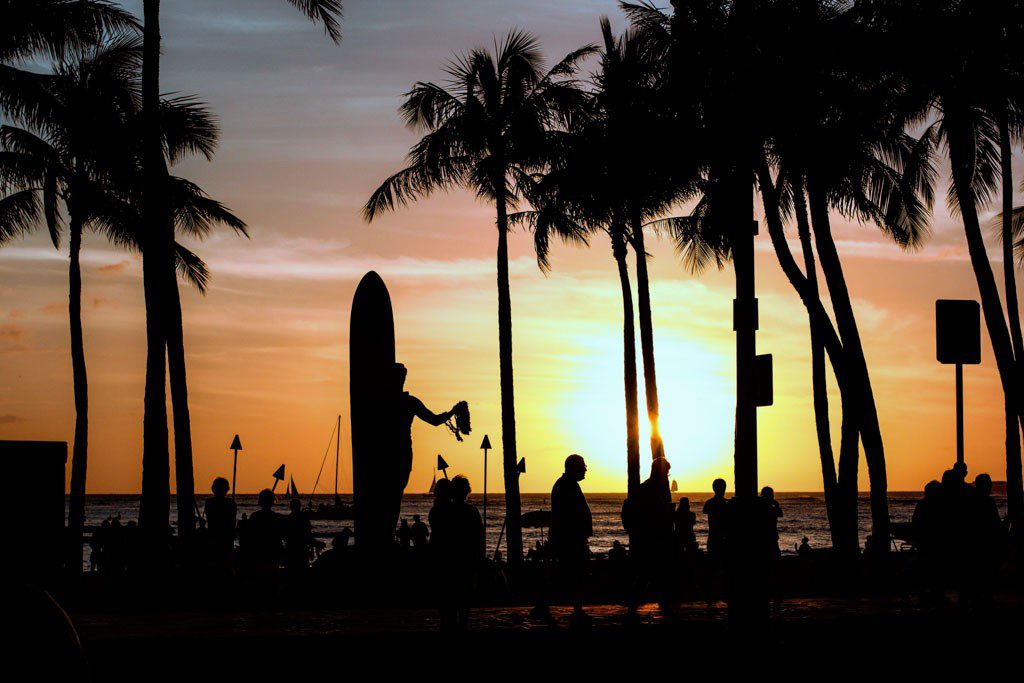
(458, 423)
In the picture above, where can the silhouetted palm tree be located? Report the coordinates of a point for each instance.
(488, 129)
(965, 88)
(80, 122)
(57, 28)
(164, 332)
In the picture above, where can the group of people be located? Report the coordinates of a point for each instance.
(959, 534)
(266, 539)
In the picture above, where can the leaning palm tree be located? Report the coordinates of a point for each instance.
(965, 91)
(164, 336)
(488, 129)
(80, 124)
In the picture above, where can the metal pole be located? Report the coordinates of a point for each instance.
(959, 413)
(485, 493)
(337, 456)
(234, 475)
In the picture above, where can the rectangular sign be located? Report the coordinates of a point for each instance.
(958, 331)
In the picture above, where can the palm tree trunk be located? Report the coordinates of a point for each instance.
(183, 471)
(154, 506)
(80, 451)
(1009, 274)
(513, 508)
(646, 334)
(819, 389)
(867, 413)
(619, 250)
(961, 158)
(844, 507)
(1009, 271)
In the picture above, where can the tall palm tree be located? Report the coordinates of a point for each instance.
(80, 122)
(488, 129)
(75, 111)
(55, 29)
(164, 333)
(965, 89)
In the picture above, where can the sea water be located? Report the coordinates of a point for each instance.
(803, 515)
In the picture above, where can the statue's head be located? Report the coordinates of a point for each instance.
(398, 377)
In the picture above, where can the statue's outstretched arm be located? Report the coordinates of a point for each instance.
(421, 411)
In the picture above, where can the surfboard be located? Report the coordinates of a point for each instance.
(371, 360)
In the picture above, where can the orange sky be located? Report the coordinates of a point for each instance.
(309, 130)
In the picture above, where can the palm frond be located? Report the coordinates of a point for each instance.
(326, 12)
(20, 212)
(191, 268)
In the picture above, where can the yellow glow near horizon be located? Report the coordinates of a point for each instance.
(696, 419)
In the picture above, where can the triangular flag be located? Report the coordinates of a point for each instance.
(521, 467)
(486, 445)
(441, 464)
(279, 473)
(236, 444)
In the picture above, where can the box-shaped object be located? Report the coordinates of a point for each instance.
(958, 331)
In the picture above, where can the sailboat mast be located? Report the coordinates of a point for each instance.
(337, 455)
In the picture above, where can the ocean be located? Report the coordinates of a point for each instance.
(803, 515)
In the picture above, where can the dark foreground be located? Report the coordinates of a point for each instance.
(801, 636)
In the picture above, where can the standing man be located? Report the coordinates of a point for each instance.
(571, 528)
(221, 517)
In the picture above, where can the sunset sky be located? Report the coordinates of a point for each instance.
(309, 130)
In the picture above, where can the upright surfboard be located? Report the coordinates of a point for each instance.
(371, 366)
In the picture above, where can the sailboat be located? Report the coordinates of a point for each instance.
(433, 483)
(338, 510)
(675, 486)
(293, 491)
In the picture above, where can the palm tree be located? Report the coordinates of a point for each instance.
(57, 28)
(488, 130)
(966, 90)
(164, 332)
(72, 152)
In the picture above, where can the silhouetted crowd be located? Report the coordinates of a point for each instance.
(956, 530)
(959, 536)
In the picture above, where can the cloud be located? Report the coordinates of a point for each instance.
(10, 419)
(113, 268)
(325, 260)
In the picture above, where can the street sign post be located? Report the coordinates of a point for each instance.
(958, 342)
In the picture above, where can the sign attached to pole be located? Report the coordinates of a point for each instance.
(958, 342)
(764, 392)
(958, 332)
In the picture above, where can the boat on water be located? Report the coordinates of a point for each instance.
(430, 491)
(328, 511)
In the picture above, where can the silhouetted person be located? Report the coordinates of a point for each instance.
(650, 537)
(985, 538)
(927, 533)
(298, 537)
(571, 528)
(332, 560)
(263, 535)
(804, 550)
(419, 534)
(404, 534)
(773, 512)
(440, 518)
(685, 520)
(221, 514)
(464, 553)
(716, 508)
